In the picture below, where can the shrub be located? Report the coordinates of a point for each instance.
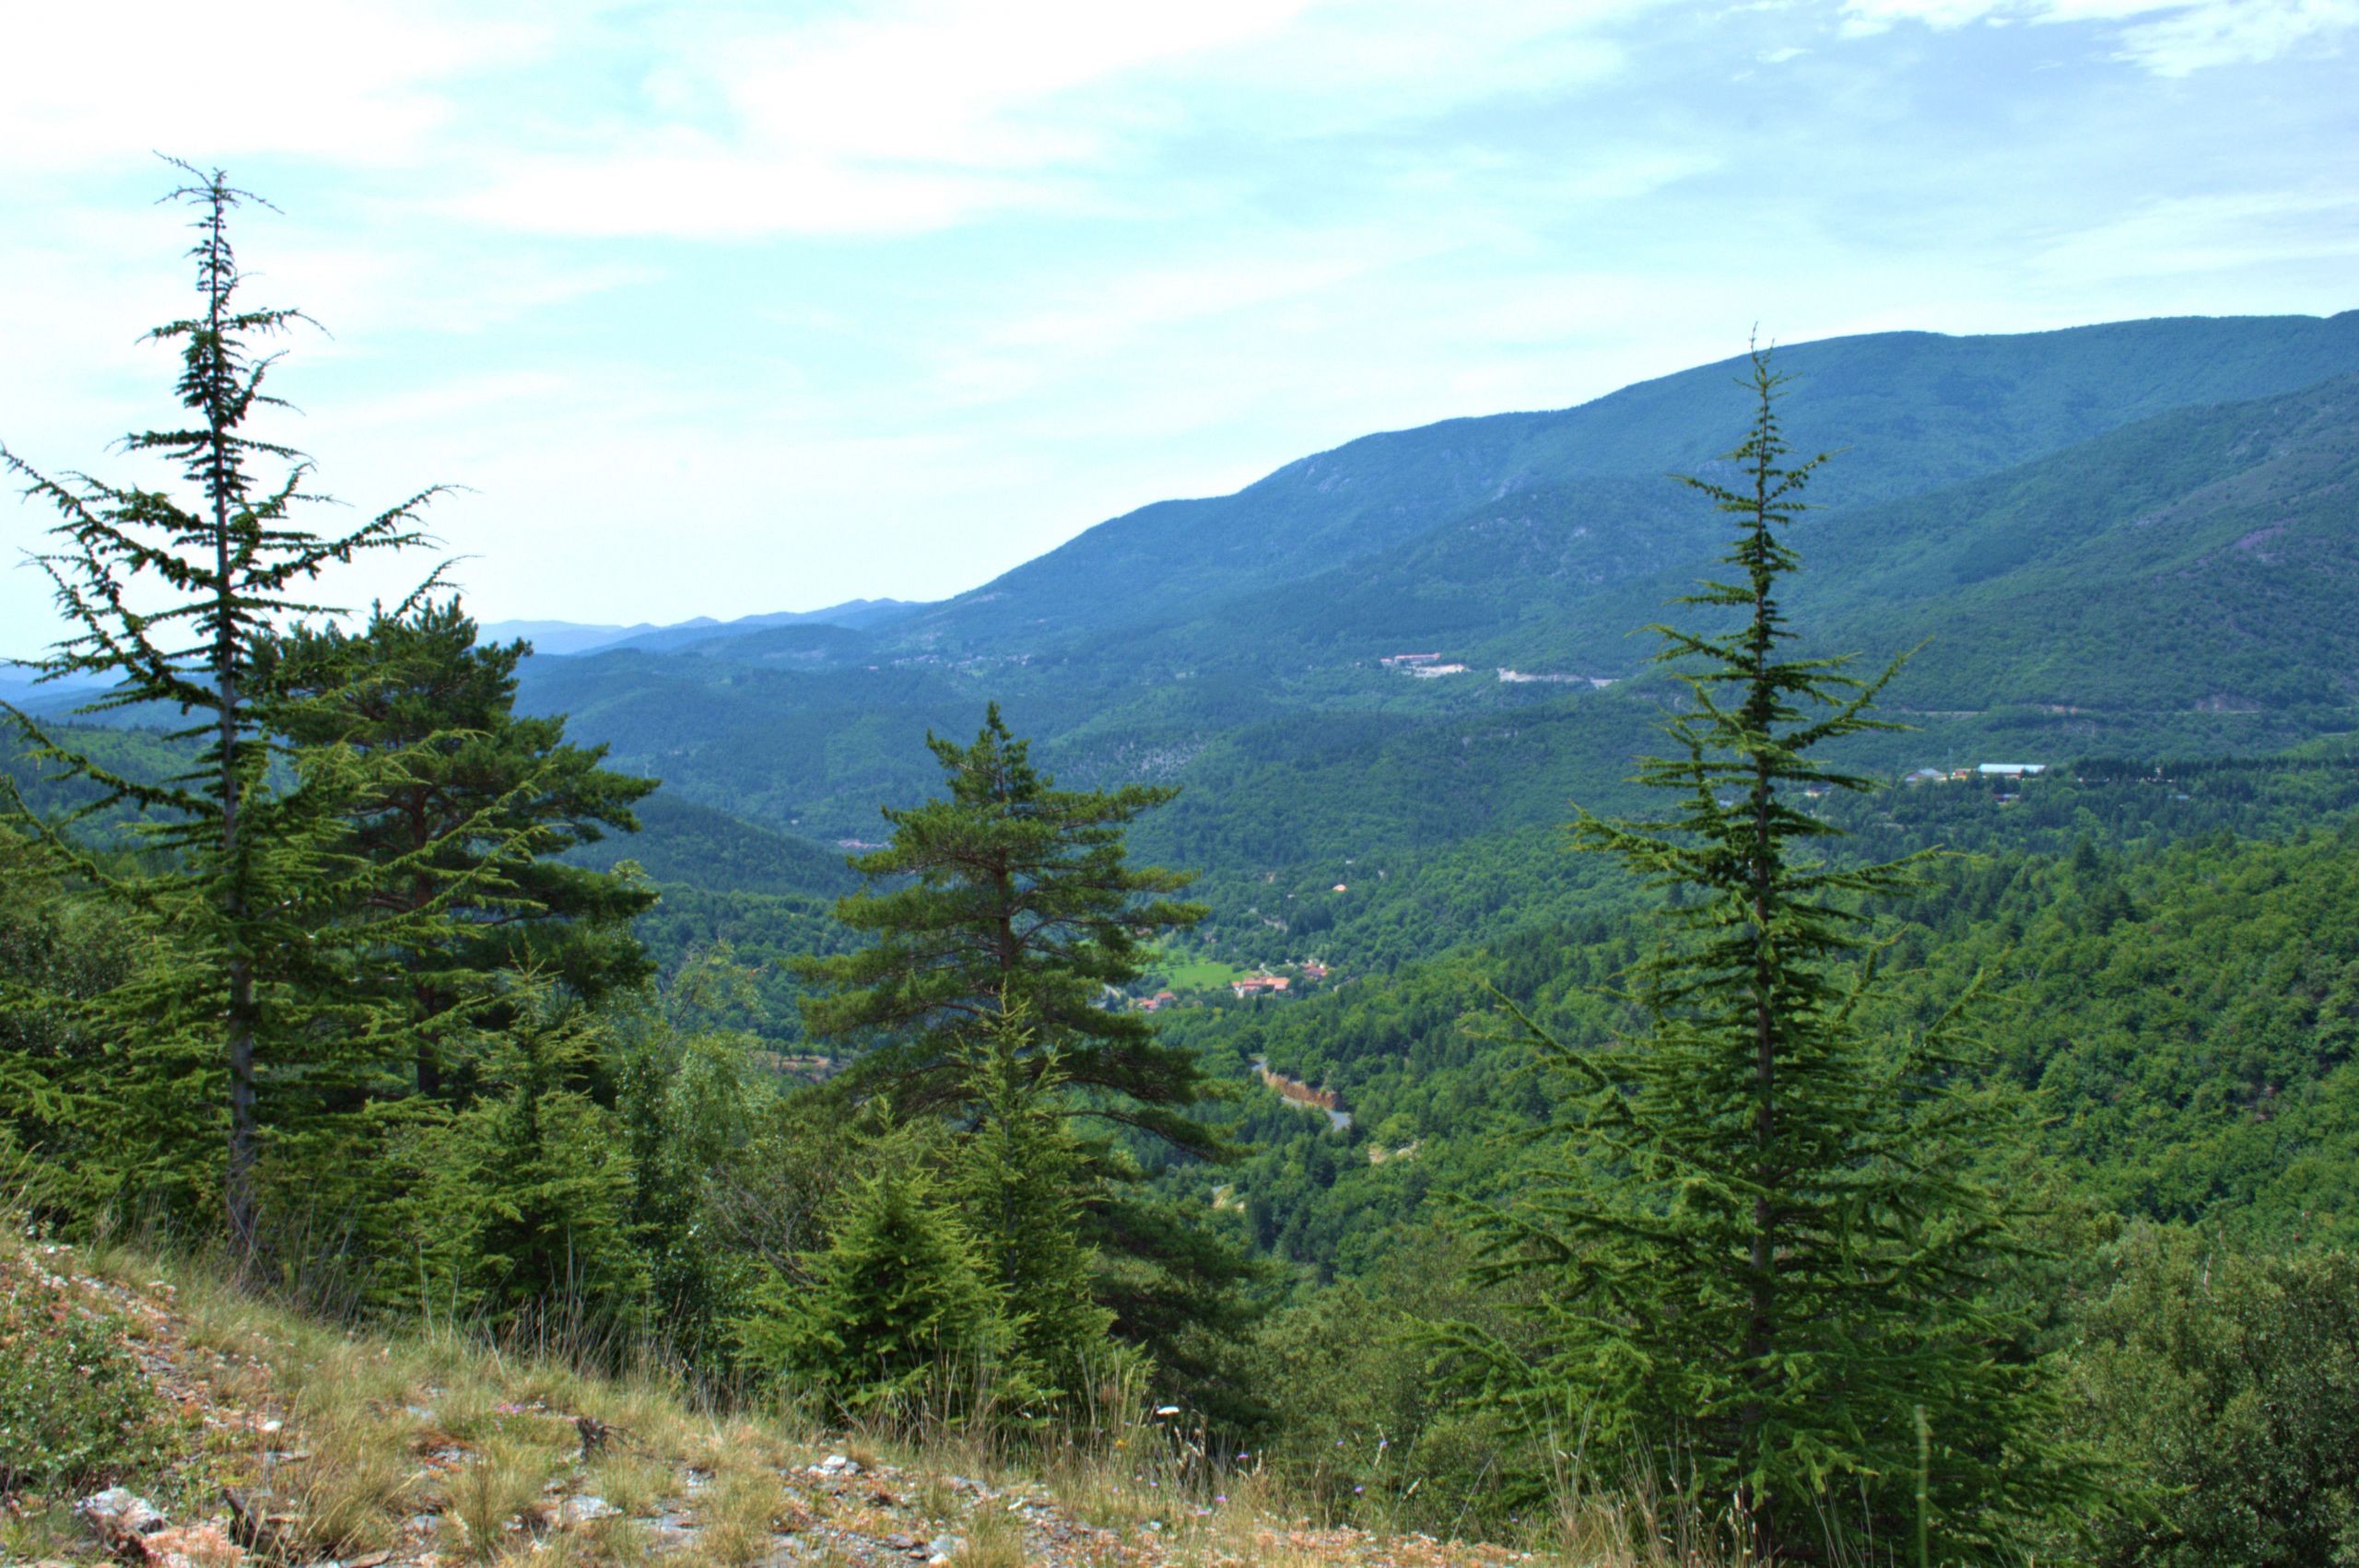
(2229, 1383)
(76, 1414)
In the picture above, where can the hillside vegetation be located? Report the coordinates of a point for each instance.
(1130, 1061)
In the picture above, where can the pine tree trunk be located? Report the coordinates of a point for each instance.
(238, 1194)
(1761, 1331)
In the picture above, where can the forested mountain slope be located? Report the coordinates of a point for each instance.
(1916, 411)
(2205, 558)
(2174, 585)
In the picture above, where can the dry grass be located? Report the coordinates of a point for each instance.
(742, 1507)
(634, 1482)
(355, 1485)
(377, 1428)
(40, 1532)
(649, 1413)
(994, 1537)
(491, 1502)
(605, 1543)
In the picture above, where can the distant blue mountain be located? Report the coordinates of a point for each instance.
(563, 638)
(2118, 538)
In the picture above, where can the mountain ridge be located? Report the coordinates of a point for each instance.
(1289, 524)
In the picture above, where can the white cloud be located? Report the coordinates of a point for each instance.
(355, 82)
(2234, 32)
(2169, 38)
(926, 114)
(696, 189)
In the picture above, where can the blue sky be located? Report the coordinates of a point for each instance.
(727, 309)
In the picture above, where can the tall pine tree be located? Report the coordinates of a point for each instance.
(1006, 896)
(1765, 1262)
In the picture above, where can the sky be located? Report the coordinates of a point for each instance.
(720, 309)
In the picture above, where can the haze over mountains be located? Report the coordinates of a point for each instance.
(560, 638)
(2122, 538)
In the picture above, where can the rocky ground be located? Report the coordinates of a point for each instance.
(303, 1447)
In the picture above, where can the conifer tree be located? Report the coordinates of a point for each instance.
(1764, 1263)
(1009, 895)
(551, 1175)
(172, 600)
(1015, 1177)
(896, 1309)
(481, 803)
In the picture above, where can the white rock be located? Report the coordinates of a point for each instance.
(581, 1509)
(117, 1511)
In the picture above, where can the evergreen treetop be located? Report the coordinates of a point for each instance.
(1008, 894)
(480, 802)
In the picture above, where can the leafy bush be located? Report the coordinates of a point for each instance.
(75, 1411)
(2229, 1383)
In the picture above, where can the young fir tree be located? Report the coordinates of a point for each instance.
(1015, 1177)
(482, 802)
(1765, 1265)
(550, 1172)
(895, 1313)
(173, 601)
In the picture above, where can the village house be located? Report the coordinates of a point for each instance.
(1259, 985)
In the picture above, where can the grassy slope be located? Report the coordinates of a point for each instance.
(434, 1446)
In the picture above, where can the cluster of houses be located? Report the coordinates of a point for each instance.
(1249, 986)
(1278, 985)
(1427, 665)
(2012, 771)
